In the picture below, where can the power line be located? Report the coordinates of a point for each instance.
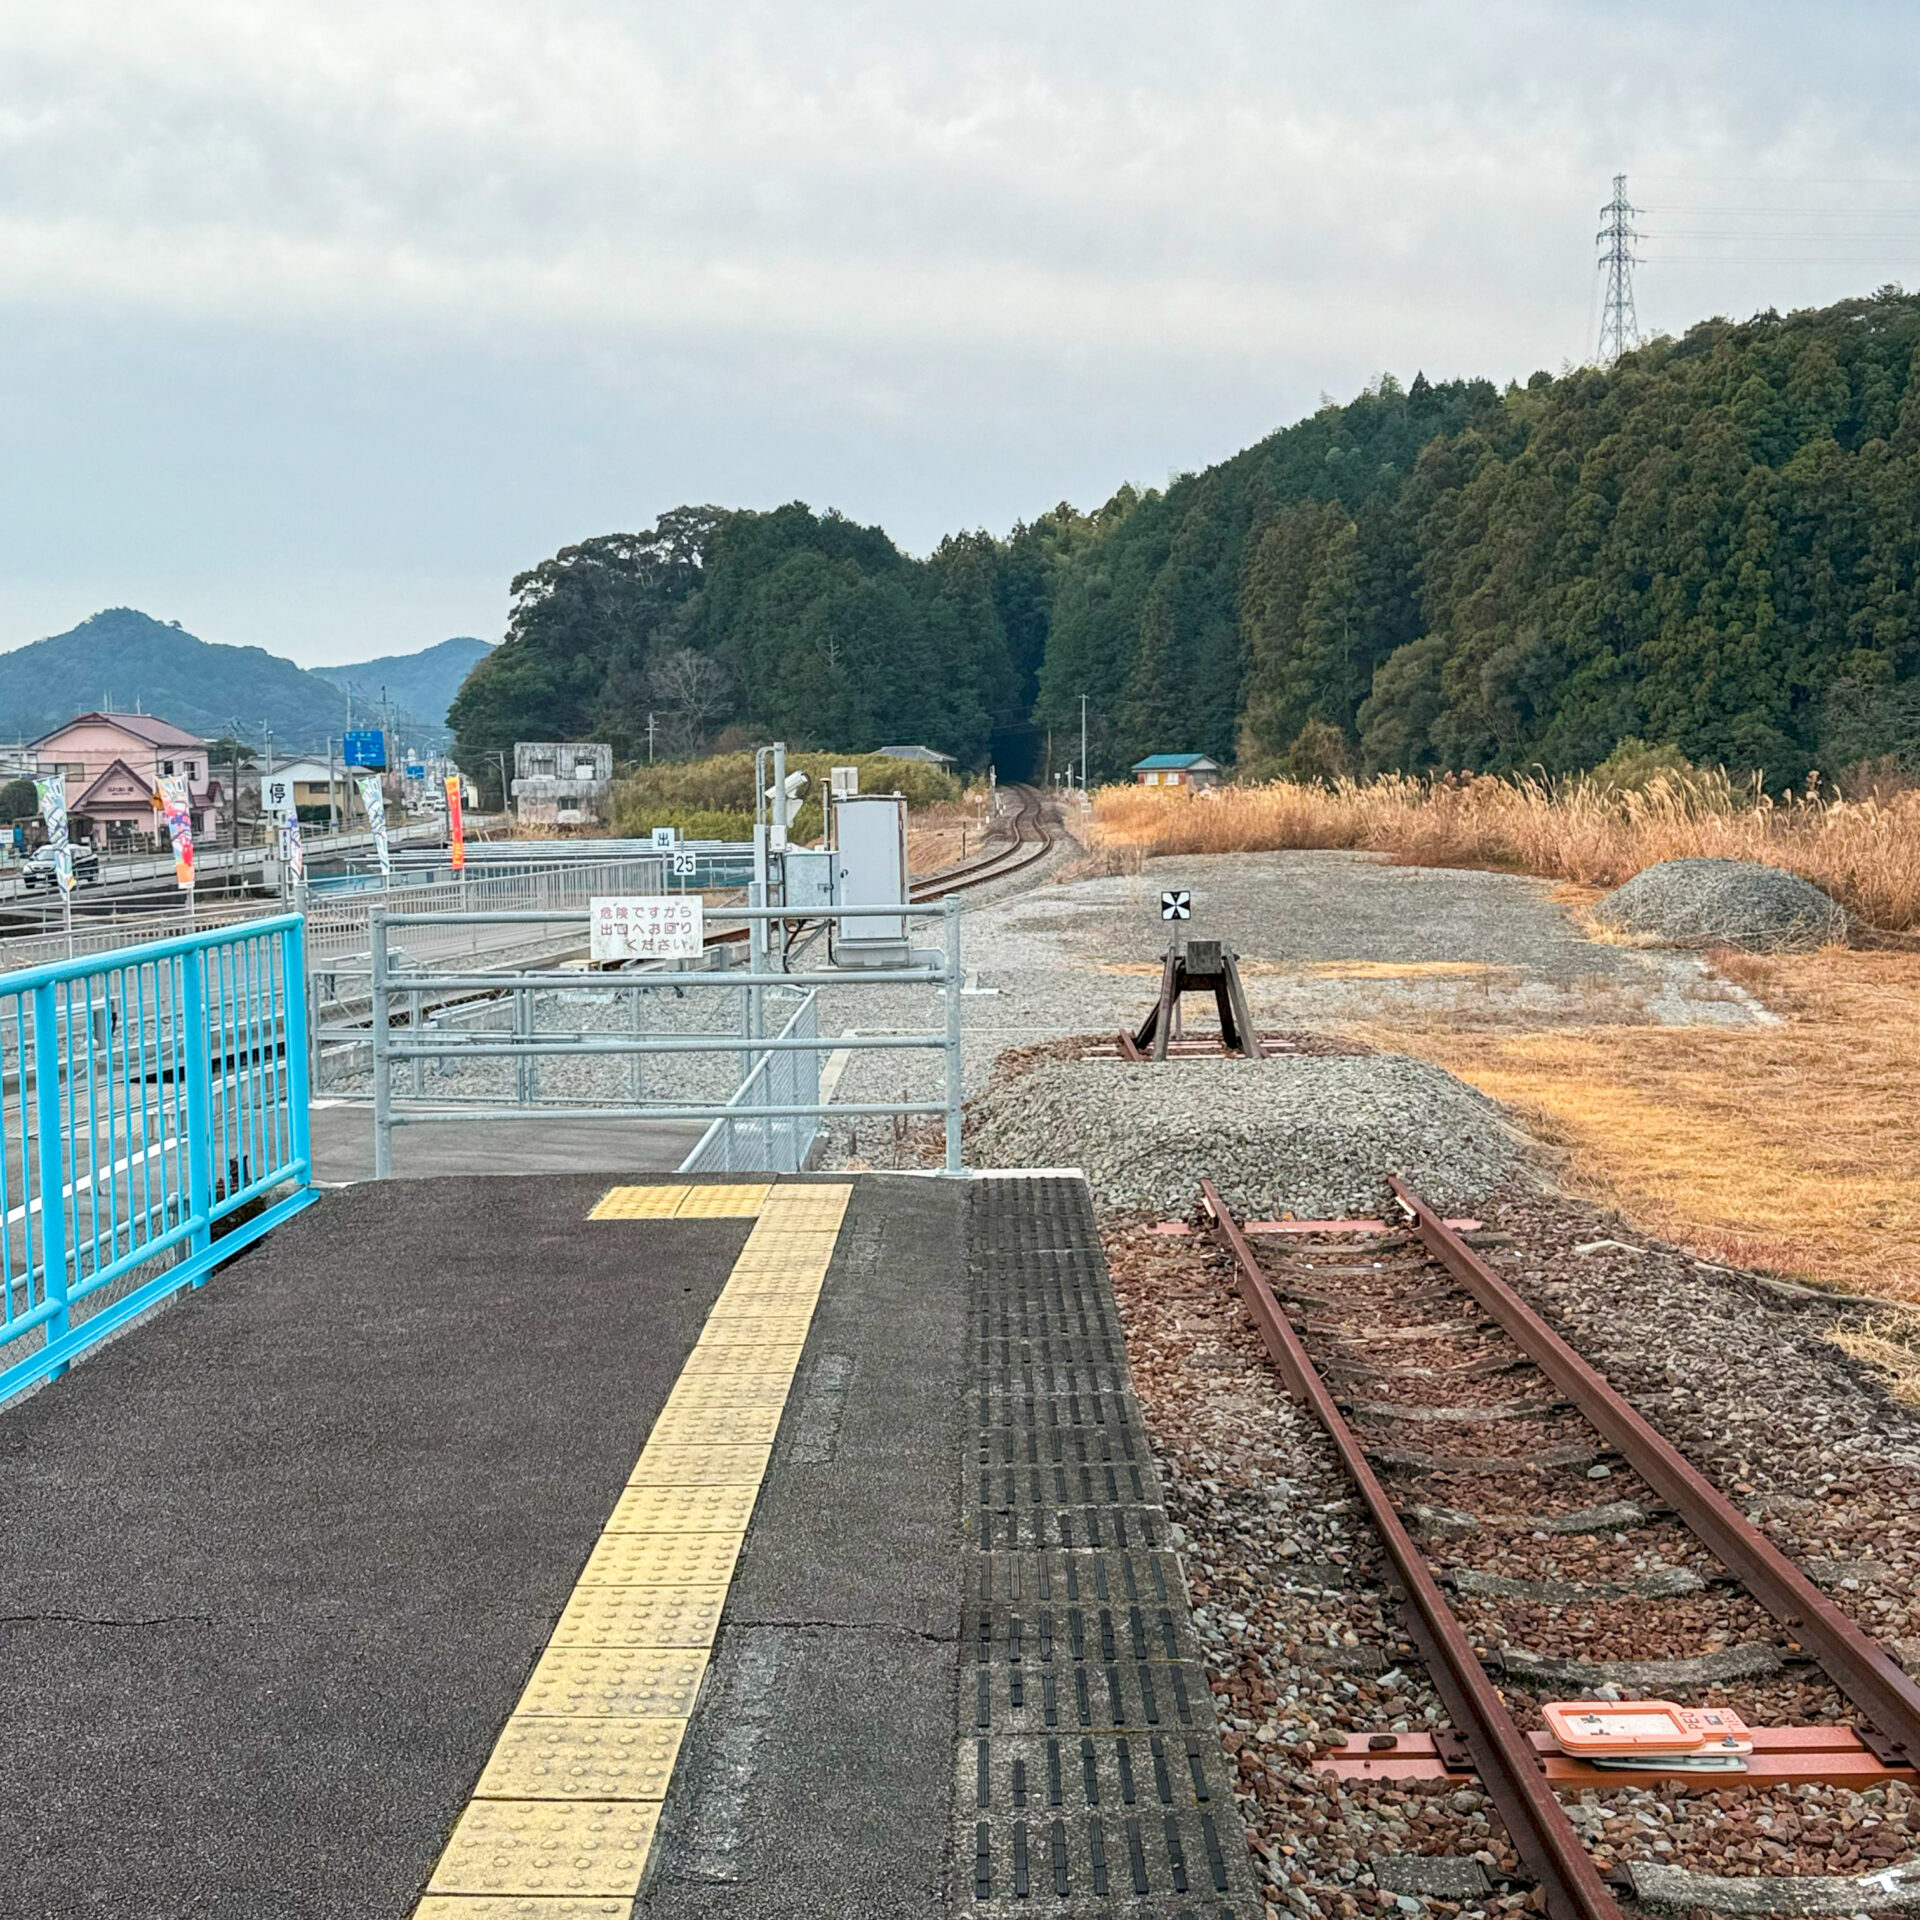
(1619, 324)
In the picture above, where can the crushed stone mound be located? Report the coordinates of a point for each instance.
(1310, 1136)
(1726, 903)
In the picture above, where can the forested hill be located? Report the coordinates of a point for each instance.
(1714, 545)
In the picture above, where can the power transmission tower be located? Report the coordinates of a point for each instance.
(1619, 324)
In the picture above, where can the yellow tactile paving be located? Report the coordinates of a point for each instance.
(573, 1847)
(740, 1202)
(744, 1359)
(718, 1426)
(602, 1759)
(728, 1392)
(641, 1617)
(707, 1203)
(518, 1906)
(561, 1822)
(643, 1682)
(654, 1510)
(701, 1467)
(661, 1560)
(755, 1319)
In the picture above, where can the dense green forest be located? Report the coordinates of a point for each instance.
(1713, 545)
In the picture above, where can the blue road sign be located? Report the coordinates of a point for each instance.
(366, 748)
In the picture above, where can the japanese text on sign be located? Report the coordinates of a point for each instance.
(647, 927)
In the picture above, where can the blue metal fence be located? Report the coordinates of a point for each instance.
(153, 1120)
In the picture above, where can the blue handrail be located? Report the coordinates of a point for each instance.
(153, 1121)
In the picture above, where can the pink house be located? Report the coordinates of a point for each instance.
(114, 763)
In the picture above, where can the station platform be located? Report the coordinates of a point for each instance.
(547, 1547)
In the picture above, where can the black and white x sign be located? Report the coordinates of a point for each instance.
(1177, 905)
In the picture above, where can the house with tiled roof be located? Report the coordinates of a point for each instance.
(1176, 770)
(114, 763)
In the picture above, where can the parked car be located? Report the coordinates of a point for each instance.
(42, 867)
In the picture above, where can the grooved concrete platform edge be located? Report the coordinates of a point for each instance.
(1090, 1775)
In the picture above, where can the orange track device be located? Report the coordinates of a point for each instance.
(1638, 1734)
(1790, 1756)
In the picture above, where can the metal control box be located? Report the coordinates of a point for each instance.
(808, 876)
(869, 842)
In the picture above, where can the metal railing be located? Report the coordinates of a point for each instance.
(153, 1120)
(402, 981)
(761, 1132)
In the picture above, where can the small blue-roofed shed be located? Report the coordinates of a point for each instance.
(1176, 770)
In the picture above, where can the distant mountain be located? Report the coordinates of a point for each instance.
(126, 660)
(422, 683)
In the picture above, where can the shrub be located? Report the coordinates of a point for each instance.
(718, 791)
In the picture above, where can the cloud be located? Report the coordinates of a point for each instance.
(821, 249)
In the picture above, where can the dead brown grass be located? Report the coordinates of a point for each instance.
(1866, 853)
(1791, 1148)
(1891, 1346)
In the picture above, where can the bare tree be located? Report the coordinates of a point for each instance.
(692, 686)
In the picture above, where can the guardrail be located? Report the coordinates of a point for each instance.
(400, 981)
(153, 1121)
(762, 1132)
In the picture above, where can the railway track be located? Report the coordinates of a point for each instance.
(1506, 1480)
(1035, 835)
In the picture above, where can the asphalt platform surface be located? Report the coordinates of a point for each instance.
(275, 1565)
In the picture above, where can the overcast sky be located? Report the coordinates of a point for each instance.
(318, 321)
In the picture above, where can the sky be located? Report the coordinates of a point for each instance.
(320, 321)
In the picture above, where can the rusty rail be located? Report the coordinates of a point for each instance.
(1853, 1660)
(1502, 1755)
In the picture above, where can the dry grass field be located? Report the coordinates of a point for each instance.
(1791, 1147)
(1866, 853)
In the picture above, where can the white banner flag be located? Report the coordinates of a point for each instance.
(51, 790)
(375, 803)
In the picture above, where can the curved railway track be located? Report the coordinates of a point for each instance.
(1423, 1364)
(1035, 835)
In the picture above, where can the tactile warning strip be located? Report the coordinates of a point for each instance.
(1089, 1773)
(562, 1819)
(700, 1202)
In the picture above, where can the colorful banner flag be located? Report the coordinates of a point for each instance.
(292, 849)
(176, 804)
(456, 826)
(375, 802)
(51, 791)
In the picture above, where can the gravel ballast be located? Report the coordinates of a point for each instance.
(1295, 1606)
(1726, 903)
(1308, 1136)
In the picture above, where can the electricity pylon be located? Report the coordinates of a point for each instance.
(1619, 324)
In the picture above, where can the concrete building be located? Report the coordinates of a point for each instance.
(114, 763)
(1176, 770)
(309, 780)
(561, 783)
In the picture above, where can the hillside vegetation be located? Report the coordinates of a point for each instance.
(126, 661)
(1712, 547)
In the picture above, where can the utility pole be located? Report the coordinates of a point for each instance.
(649, 739)
(1619, 324)
(1083, 743)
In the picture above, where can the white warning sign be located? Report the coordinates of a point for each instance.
(666, 926)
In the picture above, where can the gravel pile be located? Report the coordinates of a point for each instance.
(1726, 903)
(1312, 1137)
